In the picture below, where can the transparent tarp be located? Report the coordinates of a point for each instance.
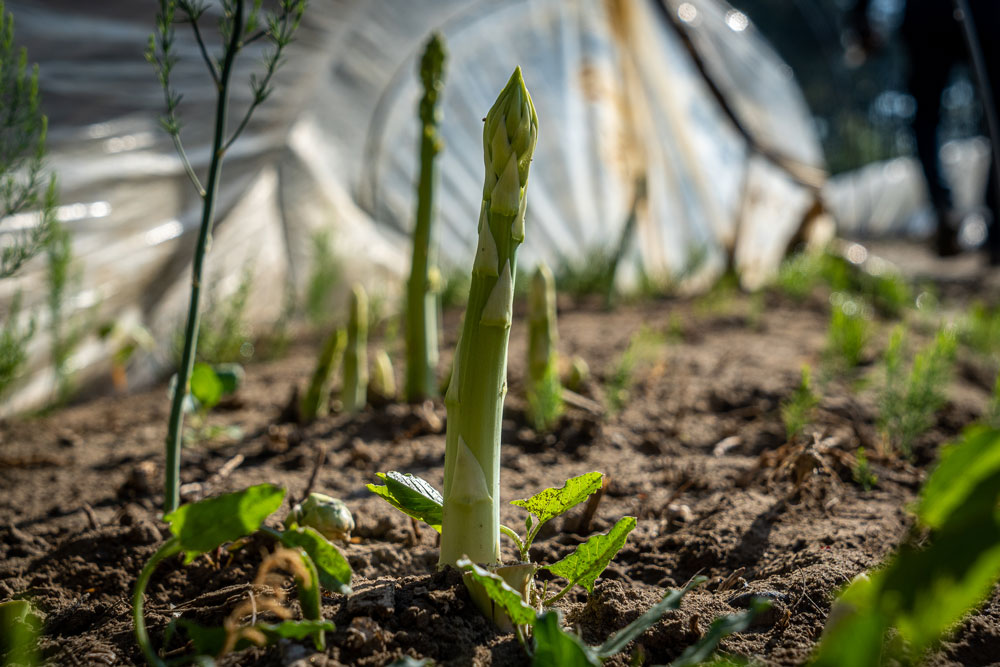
(730, 167)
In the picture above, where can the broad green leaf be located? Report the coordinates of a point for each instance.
(205, 525)
(962, 467)
(412, 496)
(557, 646)
(509, 600)
(721, 627)
(231, 376)
(334, 570)
(206, 386)
(617, 642)
(552, 502)
(19, 632)
(584, 565)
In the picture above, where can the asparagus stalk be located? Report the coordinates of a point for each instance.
(354, 393)
(421, 298)
(471, 515)
(316, 402)
(544, 390)
(383, 379)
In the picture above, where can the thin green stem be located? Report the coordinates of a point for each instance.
(552, 600)
(212, 67)
(517, 541)
(188, 169)
(175, 428)
(170, 548)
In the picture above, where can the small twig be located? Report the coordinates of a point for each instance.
(91, 516)
(582, 402)
(583, 525)
(317, 464)
(198, 489)
(730, 581)
(212, 67)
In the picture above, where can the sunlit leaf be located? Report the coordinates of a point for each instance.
(962, 467)
(556, 646)
(206, 386)
(505, 597)
(205, 525)
(334, 570)
(551, 503)
(584, 565)
(412, 496)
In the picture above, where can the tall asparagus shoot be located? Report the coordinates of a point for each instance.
(354, 393)
(474, 400)
(240, 26)
(544, 389)
(421, 298)
(316, 402)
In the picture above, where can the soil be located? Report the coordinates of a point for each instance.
(698, 453)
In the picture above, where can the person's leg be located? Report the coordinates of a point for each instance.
(986, 15)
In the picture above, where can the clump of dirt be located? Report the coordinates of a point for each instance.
(698, 453)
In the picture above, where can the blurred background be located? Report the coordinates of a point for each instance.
(699, 138)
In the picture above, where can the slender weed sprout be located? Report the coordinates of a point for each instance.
(241, 26)
(354, 393)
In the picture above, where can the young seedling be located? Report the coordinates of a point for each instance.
(203, 527)
(209, 384)
(579, 373)
(910, 402)
(14, 340)
(642, 348)
(862, 471)
(324, 276)
(848, 334)
(544, 390)
(239, 27)
(421, 299)
(316, 402)
(354, 392)
(796, 412)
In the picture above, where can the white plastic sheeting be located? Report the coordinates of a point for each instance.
(620, 100)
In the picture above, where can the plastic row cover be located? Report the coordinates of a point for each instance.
(620, 98)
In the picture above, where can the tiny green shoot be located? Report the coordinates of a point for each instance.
(797, 410)
(642, 348)
(862, 471)
(316, 402)
(848, 334)
(354, 391)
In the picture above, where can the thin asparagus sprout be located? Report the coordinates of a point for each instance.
(471, 514)
(544, 389)
(421, 297)
(354, 393)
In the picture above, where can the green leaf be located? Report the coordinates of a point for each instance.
(617, 642)
(294, 629)
(205, 525)
(584, 565)
(334, 570)
(210, 640)
(557, 646)
(553, 502)
(206, 386)
(502, 594)
(231, 376)
(962, 467)
(721, 627)
(412, 496)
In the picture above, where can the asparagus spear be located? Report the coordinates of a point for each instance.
(471, 515)
(544, 389)
(421, 299)
(354, 393)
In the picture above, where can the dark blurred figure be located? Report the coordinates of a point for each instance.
(934, 38)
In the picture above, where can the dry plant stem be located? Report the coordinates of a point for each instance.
(471, 516)
(171, 496)
(421, 298)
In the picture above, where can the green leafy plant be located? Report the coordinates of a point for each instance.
(354, 392)
(316, 402)
(324, 276)
(910, 401)
(208, 385)
(848, 334)
(24, 187)
(206, 526)
(544, 391)
(980, 330)
(949, 564)
(225, 334)
(65, 330)
(421, 297)
(797, 410)
(240, 26)
(13, 345)
(862, 471)
(642, 348)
